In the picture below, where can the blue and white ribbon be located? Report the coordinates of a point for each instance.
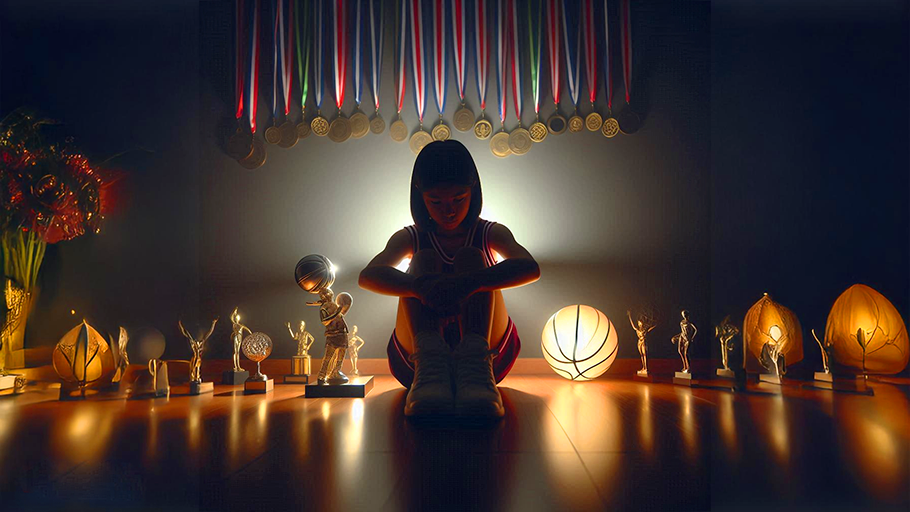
(440, 66)
(376, 39)
(572, 42)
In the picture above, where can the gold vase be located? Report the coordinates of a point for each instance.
(12, 334)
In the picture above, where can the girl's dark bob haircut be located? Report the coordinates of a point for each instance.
(445, 162)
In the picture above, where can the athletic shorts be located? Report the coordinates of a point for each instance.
(508, 350)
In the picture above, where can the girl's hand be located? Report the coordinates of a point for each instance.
(446, 293)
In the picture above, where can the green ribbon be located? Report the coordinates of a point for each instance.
(303, 51)
(534, 28)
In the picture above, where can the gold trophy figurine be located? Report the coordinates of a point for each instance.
(301, 364)
(331, 313)
(198, 387)
(354, 344)
(236, 375)
(725, 332)
(687, 332)
(826, 358)
(121, 359)
(773, 356)
(642, 328)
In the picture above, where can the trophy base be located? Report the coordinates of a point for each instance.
(682, 379)
(847, 385)
(643, 375)
(296, 379)
(253, 387)
(356, 387)
(7, 382)
(232, 378)
(198, 388)
(770, 379)
(301, 365)
(725, 373)
(824, 377)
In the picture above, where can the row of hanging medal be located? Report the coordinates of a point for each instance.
(569, 25)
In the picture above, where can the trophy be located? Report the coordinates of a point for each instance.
(197, 387)
(149, 346)
(645, 325)
(725, 332)
(256, 347)
(355, 343)
(824, 376)
(772, 355)
(121, 359)
(301, 364)
(236, 375)
(687, 332)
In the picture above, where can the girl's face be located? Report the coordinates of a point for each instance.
(448, 205)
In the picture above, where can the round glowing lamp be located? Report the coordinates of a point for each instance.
(771, 327)
(82, 359)
(867, 332)
(579, 342)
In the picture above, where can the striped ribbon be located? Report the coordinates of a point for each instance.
(303, 50)
(238, 58)
(440, 69)
(572, 41)
(481, 50)
(553, 46)
(502, 54)
(276, 58)
(418, 57)
(459, 43)
(319, 53)
(590, 49)
(358, 52)
(339, 49)
(535, 15)
(287, 54)
(376, 38)
(253, 93)
(608, 59)
(626, 34)
(516, 59)
(401, 28)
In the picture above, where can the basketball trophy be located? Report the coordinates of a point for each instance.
(301, 364)
(355, 343)
(256, 347)
(197, 387)
(316, 274)
(236, 375)
(687, 332)
(725, 332)
(642, 328)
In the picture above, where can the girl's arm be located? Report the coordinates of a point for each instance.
(381, 276)
(517, 268)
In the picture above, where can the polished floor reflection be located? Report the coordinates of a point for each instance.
(609, 444)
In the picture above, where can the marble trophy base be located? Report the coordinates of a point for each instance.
(357, 387)
(7, 382)
(232, 378)
(845, 384)
(725, 373)
(769, 378)
(296, 379)
(824, 377)
(682, 379)
(258, 387)
(643, 375)
(198, 388)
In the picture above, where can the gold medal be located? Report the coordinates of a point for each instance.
(340, 129)
(629, 122)
(441, 132)
(610, 128)
(576, 123)
(463, 119)
(499, 145)
(556, 124)
(239, 145)
(287, 134)
(377, 124)
(398, 131)
(483, 129)
(419, 141)
(320, 126)
(520, 141)
(272, 135)
(303, 129)
(257, 156)
(360, 125)
(537, 131)
(593, 122)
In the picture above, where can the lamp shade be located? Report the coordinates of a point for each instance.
(579, 342)
(769, 322)
(82, 357)
(883, 332)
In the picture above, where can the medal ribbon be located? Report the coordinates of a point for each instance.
(626, 34)
(553, 42)
(303, 50)
(608, 59)
(401, 25)
(502, 54)
(440, 69)
(358, 53)
(590, 49)
(376, 49)
(238, 59)
(535, 14)
(572, 39)
(481, 50)
(276, 42)
(339, 49)
(460, 41)
(516, 59)
(253, 93)
(418, 58)
(287, 58)
(319, 53)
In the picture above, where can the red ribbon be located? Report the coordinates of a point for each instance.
(481, 49)
(553, 37)
(400, 54)
(340, 49)
(516, 58)
(458, 34)
(418, 57)
(253, 96)
(626, 33)
(590, 49)
(238, 62)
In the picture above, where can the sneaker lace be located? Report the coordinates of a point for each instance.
(475, 370)
(430, 367)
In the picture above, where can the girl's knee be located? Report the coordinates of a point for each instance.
(469, 258)
(426, 261)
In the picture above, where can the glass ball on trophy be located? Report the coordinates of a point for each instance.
(256, 347)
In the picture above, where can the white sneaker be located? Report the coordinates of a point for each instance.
(431, 390)
(476, 394)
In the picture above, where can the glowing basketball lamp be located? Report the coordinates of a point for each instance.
(82, 359)
(579, 342)
(867, 333)
(771, 333)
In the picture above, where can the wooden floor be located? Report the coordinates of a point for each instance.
(612, 444)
